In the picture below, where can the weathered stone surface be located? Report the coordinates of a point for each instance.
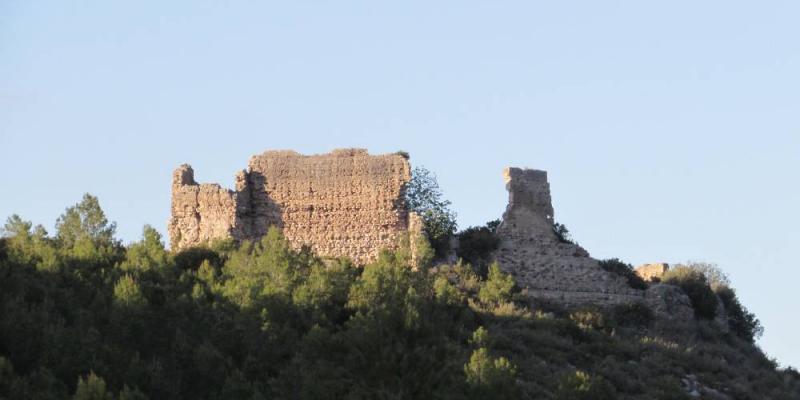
(345, 203)
(200, 212)
(652, 272)
(539, 261)
(349, 203)
(721, 317)
(669, 303)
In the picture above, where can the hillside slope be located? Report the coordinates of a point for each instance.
(84, 317)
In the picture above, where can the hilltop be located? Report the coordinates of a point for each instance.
(372, 306)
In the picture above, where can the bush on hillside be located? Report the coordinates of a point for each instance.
(695, 285)
(476, 245)
(579, 385)
(489, 377)
(562, 233)
(742, 322)
(615, 266)
(498, 287)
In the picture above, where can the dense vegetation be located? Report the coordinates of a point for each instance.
(476, 245)
(83, 317)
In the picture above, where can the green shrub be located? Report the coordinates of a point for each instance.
(695, 285)
(497, 288)
(483, 370)
(562, 233)
(615, 266)
(92, 388)
(486, 376)
(127, 293)
(713, 273)
(742, 322)
(148, 254)
(580, 385)
(476, 245)
(591, 318)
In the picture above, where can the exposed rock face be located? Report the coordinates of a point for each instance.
(345, 203)
(540, 262)
(721, 318)
(652, 272)
(669, 303)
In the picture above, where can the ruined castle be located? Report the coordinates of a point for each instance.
(350, 203)
(343, 204)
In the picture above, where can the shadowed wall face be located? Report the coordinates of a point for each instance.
(345, 203)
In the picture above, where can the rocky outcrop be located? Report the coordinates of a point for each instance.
(669, 303)
(345, 203)
(540, 261)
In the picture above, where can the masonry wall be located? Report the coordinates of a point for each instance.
(345, 203)
(200, 212)
(543, 265)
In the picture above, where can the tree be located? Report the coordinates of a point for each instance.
(85, 221)
(483, 370)
(147, 254)
(262, 269)
(695, 285)
(497, 288)
(29, 247)
(581, 386)
(488, 377)
(92, 388)
(715, 276)
(742, 322)
(16, 227)
(476, 244)
(127, 292)
(424, 197)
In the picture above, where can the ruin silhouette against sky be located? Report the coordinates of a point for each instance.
(667, 135)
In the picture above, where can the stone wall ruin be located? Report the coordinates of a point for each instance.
(348, 203)
(544, 265)
(344, 203)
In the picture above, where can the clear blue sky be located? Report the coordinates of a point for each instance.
(671, 131)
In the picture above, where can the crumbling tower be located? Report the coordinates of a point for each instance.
(548, 267)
